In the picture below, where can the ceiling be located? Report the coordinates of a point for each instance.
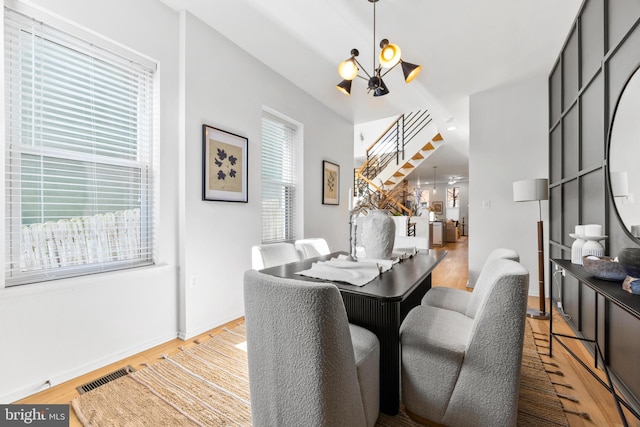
(464, 47)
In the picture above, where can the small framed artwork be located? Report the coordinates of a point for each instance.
(330, 183)
(437, 207)
(224, 165)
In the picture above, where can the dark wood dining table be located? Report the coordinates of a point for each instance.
(380, 306)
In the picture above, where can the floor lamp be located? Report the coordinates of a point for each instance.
(535, 190)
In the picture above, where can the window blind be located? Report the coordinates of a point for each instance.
(78, 155)
(278, 179)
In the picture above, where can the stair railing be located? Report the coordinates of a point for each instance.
(389, 147)
(388, 201)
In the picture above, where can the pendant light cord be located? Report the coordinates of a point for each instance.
(374, 38)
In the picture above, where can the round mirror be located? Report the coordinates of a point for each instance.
(623, 167)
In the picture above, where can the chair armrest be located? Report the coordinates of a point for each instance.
(447, 298)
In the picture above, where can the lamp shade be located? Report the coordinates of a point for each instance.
(410, 71)
(619, 184)
(390, 54)
(348, 69)
(381, 90)
(344, 87)
(531, 189)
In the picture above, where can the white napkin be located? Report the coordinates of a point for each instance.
(404, 253)
(354, 273)
(385, 264)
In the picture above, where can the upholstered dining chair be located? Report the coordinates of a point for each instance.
(458, 299)
(272, 254)
(307, 365)
(464, 370)
(312, 247)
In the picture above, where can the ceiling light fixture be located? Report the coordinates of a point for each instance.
(389, 57)
(434, 179)
(452, 181)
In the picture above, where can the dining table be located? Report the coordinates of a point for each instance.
(379, 306)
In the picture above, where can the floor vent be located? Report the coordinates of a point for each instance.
(104, 380)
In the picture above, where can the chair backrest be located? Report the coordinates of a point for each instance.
(301, 362)
(402, 223)
(421, 243)
(270, 255)
(313, 247)
(503, 253)
(493, 356)
(480, 289)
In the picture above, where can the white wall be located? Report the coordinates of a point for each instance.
(370, 132)
(59, 330)
(508, 142)
(227, 88)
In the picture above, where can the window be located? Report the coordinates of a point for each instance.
(278, 179)
(78, 155)
(453, 197)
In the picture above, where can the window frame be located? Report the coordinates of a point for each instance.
(94, 46)
(295, 224)
(455, 196)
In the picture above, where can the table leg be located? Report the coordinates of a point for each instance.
(384, 319)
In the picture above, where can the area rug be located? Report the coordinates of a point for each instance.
(207, 385)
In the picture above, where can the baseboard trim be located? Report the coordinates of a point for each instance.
(187, 335)
(77, 372)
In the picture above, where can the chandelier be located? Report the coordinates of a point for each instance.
(389, 58)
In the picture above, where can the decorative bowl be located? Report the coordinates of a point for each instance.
(631, 285)
(604, 267)
(629, 258)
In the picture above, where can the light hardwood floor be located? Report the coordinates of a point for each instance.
(592, 398)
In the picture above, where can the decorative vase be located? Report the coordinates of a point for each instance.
(629, 258)
(592, 247)
(378, 234)
(576, 248)
(593, 235)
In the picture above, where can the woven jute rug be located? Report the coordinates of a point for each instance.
(208, 385)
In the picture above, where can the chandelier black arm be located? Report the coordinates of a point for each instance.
(385, 73)
(362, 68)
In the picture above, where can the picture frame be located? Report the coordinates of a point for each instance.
(330, 183)
(224, 165)
(437, 207)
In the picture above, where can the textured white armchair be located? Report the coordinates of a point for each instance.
(458, 299)
(312, 247)
(464, 370)
(403, 242)
(307, 365)
(272, 254)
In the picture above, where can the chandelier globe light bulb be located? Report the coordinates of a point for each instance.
(348, 69)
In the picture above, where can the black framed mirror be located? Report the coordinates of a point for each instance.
(623, 168)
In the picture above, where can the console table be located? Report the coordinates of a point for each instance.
(380, 306)
(607, 319)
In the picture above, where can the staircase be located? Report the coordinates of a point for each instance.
(406, 143)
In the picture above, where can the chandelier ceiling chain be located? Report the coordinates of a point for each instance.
(390, 56)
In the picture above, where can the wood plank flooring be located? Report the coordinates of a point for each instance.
(592, 398)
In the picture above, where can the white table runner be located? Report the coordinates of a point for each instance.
(358, 273)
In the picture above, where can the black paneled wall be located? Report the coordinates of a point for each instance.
(601, 51)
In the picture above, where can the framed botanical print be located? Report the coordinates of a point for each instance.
(330, 183)
(224, 165)
(437, 207)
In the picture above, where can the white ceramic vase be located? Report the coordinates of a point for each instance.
(576, 251)
(378, 234)
(592, 247)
